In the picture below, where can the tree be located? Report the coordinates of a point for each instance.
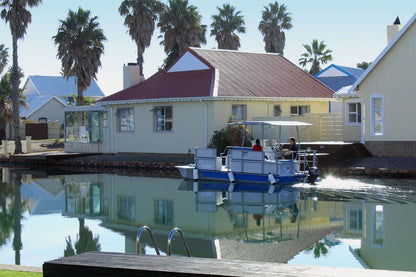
(4, 56)
(275, 19)
(316, 54)
(16, 14)
(363, 65)
(140, 17)
(181, 26)
(225, 25)
(80, 46)
(6, 112)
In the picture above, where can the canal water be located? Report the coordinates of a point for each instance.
(337, 222)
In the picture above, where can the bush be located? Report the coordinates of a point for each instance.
(229, 136)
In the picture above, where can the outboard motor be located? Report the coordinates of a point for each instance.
(314, 173)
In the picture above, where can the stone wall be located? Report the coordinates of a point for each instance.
(392, 148)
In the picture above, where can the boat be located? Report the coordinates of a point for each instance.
(242, 164)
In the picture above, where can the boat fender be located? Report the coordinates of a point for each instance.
(231, 187)
(271, 178)
(195, 174)
(271, 189)
(231, 177)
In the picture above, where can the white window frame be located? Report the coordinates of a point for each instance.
(298, 109)
(127, 123)
(358, 114)
(378, 226)
(244, 116)
(372, 117)
(164, 119)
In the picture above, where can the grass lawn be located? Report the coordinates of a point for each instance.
(11, 273)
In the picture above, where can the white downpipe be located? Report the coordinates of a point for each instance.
(108, 130)
(195, 186)
(362, 122)
(206, 123)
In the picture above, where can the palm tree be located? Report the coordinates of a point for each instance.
(5, 95)
(140, 17)
(275, 19)
(16, 14)
(316, 54)
(80, 46)
(181, 25)
(225, 25)
(4, 56)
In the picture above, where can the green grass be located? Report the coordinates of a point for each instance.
(11, 273)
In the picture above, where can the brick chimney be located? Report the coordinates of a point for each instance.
(392, 30)
(131, 75)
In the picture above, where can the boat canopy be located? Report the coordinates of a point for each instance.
(272, 123)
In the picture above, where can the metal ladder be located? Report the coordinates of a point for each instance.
(171, 233)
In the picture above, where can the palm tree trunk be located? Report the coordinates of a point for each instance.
(2, 122)
(315, 68)
(140, 59)
(17, 226)
(15, 99)
(80, 97)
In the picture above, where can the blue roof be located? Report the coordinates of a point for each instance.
(34, 102)
(337, 82)
(60, 86)
(352, 70)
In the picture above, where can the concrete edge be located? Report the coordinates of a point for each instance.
(21, 268)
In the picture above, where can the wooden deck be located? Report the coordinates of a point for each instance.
(119, 264)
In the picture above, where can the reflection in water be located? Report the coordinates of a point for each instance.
(85, 241)
(217, 220)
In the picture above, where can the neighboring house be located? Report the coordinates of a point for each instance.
(336, 77)
(179, 108)
(46, 96)
(339, 78)
(387, 94)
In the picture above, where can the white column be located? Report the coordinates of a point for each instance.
(28, 144)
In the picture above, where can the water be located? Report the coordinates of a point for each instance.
(338, 222)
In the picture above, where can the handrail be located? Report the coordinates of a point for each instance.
(172, 232)
(139, 233)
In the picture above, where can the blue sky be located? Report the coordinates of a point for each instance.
(355, 30)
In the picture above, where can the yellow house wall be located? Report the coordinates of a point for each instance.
(350, 132)
(189, 121)
(394, 78)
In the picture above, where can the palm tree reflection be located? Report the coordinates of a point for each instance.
(85, 241)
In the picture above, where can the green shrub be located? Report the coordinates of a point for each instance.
(229, 136)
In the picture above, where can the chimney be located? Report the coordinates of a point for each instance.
(131, 75)
(392, 30)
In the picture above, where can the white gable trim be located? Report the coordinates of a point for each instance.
(216, 83)
(188, 62)
(383, 53)
(333, 72)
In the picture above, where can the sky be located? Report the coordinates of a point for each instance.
(354, 30)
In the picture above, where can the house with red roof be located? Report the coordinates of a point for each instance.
(179, 108)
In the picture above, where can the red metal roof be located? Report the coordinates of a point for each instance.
(168, 85)
(261, 75)
(239, 74)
